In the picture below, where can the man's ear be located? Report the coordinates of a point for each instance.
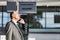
(13, 15)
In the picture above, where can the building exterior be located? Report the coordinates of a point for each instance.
(46, 15)
(45, 19)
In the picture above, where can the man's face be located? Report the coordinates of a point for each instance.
(16, 15)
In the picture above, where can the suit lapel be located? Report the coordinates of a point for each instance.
(16, 26)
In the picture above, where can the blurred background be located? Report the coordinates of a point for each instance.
(42, 17)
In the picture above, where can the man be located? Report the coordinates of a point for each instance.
(13, 32)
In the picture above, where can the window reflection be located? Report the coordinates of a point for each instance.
(0, 19)
(51, 20)
(34, 21)
(43, 20)
(6, 18)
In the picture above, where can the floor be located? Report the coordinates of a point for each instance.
(35, 36)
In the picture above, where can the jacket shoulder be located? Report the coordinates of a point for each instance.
(7, 26)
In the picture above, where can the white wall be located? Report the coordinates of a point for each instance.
(40, 2)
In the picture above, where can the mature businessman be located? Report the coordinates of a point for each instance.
(13, 32)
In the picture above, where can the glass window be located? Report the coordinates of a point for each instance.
(44, 20)
(52, 20)
(11, 6)
(56, 18)
(6, 18)
(37, 21)
(0, 19)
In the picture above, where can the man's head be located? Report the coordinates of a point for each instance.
(15, 15)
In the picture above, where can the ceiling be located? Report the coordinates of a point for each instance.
(32, 0)
(38, 2)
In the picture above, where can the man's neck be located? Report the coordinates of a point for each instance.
(15, 21)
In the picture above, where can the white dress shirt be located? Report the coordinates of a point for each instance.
(15, 22)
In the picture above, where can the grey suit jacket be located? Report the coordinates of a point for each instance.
(13, 32)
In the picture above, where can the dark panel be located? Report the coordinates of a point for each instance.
(11, 6)
(27, 7)
(57, 19)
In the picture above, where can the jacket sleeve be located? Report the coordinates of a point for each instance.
(8, 32)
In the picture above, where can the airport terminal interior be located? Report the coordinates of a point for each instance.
(42, 18)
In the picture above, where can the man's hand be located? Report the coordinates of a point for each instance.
(22, 21)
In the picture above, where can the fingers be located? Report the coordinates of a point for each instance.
(22, 21)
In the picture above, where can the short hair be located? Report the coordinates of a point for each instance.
(11, 14)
